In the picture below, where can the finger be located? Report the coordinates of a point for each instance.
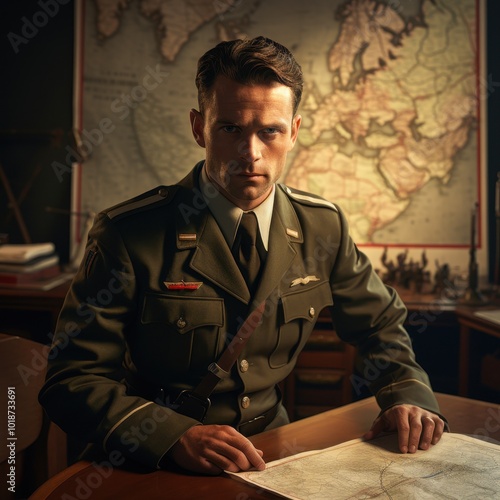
(415, 432)
(254, 457)
(221, 461)
(247, 456)
(204, 449)
(222, 457)
(235, 454)
(403, 427)
(428, 426)
(438, 429)
(226, 456)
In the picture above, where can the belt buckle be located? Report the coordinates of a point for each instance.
(192, 405)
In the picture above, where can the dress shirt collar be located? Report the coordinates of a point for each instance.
(228, 215)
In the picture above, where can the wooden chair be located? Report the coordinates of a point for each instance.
(22, 374)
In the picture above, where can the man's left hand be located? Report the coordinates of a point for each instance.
(417, 428)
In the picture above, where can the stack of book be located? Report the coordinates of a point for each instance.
(30, 266)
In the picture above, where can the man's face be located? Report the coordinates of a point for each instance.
(247, 131)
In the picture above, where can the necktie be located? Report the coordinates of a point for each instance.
(245, 251)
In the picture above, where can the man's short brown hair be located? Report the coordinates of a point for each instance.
(258, 60)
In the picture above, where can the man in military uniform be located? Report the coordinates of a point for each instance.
(159, 295)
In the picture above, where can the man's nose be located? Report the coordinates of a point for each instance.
(250, 149)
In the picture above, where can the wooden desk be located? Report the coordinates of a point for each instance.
(469, 322)
(84, 480)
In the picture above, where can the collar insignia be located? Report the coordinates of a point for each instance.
(187, 236)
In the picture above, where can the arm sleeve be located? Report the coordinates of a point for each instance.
(370, 315)
(83, 392)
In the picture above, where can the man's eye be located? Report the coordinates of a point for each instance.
(229, 128)
(270, 130)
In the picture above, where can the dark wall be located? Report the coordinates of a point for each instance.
(493, 76)
(40, 69)
(36, 48)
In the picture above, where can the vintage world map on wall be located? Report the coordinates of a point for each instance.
(390, 107)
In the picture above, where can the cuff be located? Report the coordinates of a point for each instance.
(411, 392)
(147, 433)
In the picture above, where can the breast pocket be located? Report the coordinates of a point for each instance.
(184, 331)
(299, 312)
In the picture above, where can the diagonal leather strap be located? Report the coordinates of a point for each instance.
(196, 403)
(222, 368)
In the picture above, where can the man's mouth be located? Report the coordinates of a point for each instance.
(250, 174)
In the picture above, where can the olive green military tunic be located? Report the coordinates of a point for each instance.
(158, 296)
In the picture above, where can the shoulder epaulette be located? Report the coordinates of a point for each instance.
(307, 198)
(144, 201)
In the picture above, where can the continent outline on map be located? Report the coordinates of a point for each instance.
(372, 142)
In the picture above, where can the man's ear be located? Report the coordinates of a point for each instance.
(197, 127)
(294, 133)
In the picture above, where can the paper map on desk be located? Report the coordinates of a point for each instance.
(457, 467)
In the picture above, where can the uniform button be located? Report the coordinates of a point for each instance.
(163, 192)
(181, 323)
(312, 312)
(245, 402)
(244, 365)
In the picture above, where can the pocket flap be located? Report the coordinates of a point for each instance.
(307, 303)
(182, 313)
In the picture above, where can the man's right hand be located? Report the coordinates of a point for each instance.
(210, 449)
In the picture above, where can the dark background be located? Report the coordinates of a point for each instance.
(36, 121)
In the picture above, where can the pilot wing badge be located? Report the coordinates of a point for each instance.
(303, 281)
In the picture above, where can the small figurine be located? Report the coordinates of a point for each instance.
(390, 276)
(405, 274)
(420, 275)
(441, 277)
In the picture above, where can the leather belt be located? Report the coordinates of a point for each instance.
(258, 424)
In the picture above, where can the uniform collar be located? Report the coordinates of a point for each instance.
(199, 232)
(228, 215)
